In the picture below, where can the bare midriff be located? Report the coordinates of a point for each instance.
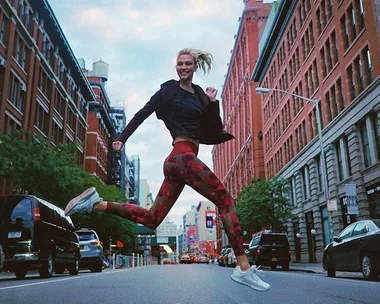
(184, 138)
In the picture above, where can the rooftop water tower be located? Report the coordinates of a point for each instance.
(100, 69)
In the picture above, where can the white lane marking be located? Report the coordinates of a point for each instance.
(60, 280)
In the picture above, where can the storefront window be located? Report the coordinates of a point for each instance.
(325, 225)
(373, 194)
(347, 218)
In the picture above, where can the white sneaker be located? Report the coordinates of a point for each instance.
(249, 278)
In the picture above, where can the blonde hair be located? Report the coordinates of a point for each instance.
(203, 60)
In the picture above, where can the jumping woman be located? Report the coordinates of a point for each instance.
(192, 118)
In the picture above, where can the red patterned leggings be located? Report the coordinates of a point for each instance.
(182, 167)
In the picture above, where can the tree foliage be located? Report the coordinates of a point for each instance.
(262, 204)
(30, 165)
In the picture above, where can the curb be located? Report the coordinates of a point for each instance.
(306, 270)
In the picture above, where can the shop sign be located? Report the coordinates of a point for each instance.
(351, 199)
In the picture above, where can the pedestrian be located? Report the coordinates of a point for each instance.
(192, 118)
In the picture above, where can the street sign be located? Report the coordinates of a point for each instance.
(332, 205)
(351, 199)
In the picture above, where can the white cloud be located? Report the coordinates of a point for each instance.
(139, 40)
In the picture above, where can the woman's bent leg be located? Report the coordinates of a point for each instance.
(203, 180)
(170, 189)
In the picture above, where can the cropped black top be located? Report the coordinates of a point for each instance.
(191, 115)
(185, 115)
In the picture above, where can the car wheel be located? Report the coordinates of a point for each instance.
(74, 269)
(285, 266)
(368, 269)
(20, 273)
(46, 271)
(273, 266)
(330, 267)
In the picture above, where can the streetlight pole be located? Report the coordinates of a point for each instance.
(261, 90)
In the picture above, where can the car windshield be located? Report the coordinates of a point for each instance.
(270, 239)
(86, 236)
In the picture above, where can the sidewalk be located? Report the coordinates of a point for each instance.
(312, 268)
(317, 268)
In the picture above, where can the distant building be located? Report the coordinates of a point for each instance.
(206, 213)
(99, 153)
(145, 194)
(237, 161)
(136, 165)
(118, 118)
(166, 228)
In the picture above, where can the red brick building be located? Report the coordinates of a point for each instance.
(325, 50)
(98, 160)
(42, 87)
(237, 161)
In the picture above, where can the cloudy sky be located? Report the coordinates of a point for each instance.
(139, 40)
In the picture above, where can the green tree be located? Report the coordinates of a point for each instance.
(262, 204)
(30, 165)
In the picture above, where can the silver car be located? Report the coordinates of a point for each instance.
(91, 250)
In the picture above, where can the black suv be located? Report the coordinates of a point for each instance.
(36, 234)
(269, 249)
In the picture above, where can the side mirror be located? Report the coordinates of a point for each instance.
(336, 239)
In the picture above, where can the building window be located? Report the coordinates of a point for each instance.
(353, 22)
(42, 119)
(306, 183)
(359, 5)
(351, 80)
(3, 29)
(343, 23)
(368, 64)
(319, 169)
(365, 143)
(339, 160)
(325, 225)
(347, 151)
(376, 133)
(16, 93)
(341, 96)
(358, 67)
(347, 218)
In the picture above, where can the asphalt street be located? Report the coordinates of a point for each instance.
(184, 284)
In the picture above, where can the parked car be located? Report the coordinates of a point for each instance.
(2, 257)
(221, 256)
(91, 250)
(356, 249)
(203, 258)
(230, 258)
(36, 234)
(269, 249)
(185, 259)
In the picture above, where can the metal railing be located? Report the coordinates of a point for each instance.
(131, 261)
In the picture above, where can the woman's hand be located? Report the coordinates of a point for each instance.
(117, 145)
(211, 93)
